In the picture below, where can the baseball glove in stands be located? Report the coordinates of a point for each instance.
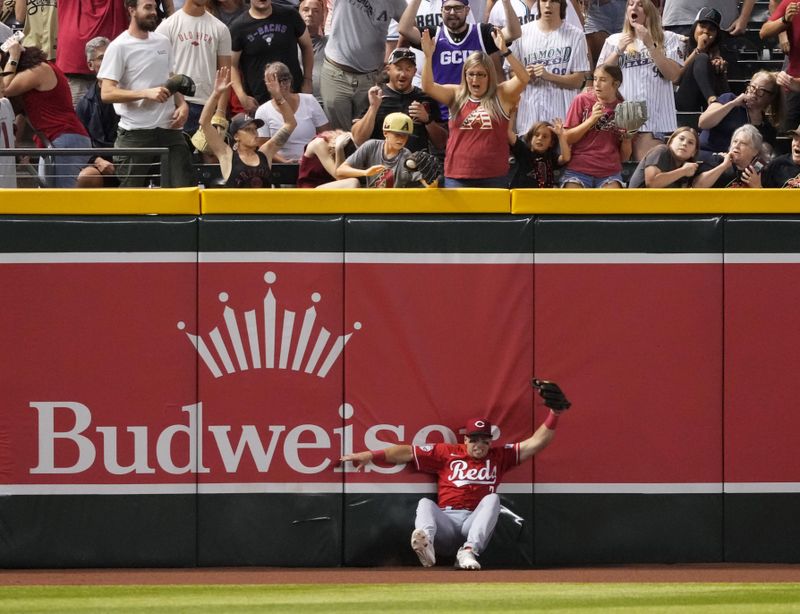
(428, 166)
(630, 115)
(181, 84)
(553, 396)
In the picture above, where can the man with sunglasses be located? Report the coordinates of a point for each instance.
(400, 95)
(456, 39)
(468, 475)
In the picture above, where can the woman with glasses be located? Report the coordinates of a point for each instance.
(477, 146)
(760, 105)
(311, 119)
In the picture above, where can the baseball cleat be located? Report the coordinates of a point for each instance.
(465, 559)
(423, 546)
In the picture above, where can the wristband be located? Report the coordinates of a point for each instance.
(505, 53)
(13, 63)
(784, 20)
(552, 421)
(378, 455)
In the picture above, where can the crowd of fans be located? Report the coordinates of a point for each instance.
(506, 93)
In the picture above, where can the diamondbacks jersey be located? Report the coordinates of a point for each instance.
(477, 146)
(497, 16)
(562, 52)
(643, 81)
(463, 481)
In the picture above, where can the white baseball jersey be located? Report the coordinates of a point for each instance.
(526, 14)
(8, 171)
(563, 52)
(641, 80)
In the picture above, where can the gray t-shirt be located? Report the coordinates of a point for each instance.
(395, 176)
(660, 157)
(358, 32)
(683, 12)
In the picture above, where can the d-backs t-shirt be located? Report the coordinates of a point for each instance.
(463, 480)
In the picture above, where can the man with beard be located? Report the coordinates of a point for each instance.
(456, 39)
(268, 33)
(136, 65)
(784, 171)
(400, 95)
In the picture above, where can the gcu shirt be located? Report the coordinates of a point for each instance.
(463, 480)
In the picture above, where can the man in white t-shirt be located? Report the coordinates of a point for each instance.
(8, 172)
(354, 56)
(557, 59)
(135, 68)
(201, 44)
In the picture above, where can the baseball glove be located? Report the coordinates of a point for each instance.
(428, 166)
(180, 84)
(553, 396)
(630, 115)
(199, 137)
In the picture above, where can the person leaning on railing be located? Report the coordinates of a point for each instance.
(245, 165)
(44, 91)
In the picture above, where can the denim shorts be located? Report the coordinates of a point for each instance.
(587, 181)
(606, 17)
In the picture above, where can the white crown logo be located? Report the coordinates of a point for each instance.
(287, 345)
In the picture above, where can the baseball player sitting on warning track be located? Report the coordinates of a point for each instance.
(468, 476)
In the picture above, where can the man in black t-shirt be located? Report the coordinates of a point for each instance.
(401, 96)
(266, 34)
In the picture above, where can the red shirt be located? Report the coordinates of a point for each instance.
(463, 481)
(597, 153)
(51, 112)
(794, 37)
(477, 147)
(79, 21)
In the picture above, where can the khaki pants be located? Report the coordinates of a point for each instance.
(344, 94)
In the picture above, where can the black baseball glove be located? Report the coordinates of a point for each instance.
(428, 166)
(553, 396)
(181, 84)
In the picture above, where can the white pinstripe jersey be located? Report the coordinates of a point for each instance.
(497, 16)
(562, 52)
(641, 80)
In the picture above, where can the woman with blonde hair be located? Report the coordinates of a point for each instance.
(651, 60)
(477, 147)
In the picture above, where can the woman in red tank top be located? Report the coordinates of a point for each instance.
(477, 147)
(44, 91)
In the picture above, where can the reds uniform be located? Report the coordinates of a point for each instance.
(468, 504)
(643, 81)
(562, 52)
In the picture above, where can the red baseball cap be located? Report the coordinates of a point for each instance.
(478, 426)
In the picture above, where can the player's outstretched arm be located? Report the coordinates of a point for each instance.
(395, 455)
(541, 438)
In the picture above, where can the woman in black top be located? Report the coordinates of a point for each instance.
(246, 165)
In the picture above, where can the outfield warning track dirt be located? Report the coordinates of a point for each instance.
(396, 575)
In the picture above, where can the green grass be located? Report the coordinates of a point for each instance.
(410, 598)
